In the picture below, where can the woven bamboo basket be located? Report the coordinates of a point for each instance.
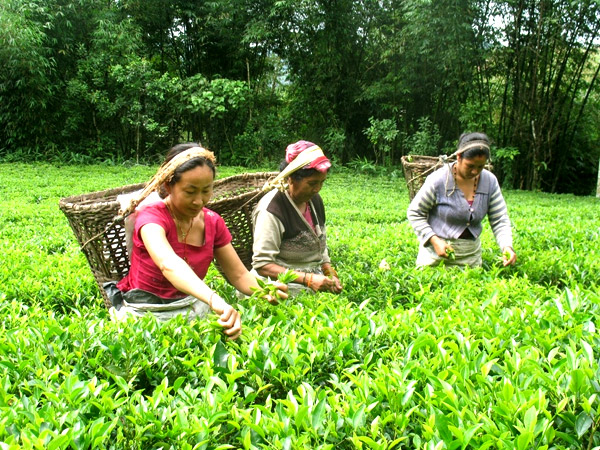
(103, 240)
(417, 167)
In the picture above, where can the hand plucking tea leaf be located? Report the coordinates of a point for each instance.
(270, 291)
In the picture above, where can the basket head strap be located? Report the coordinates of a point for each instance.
(303, 159)
(473, 144)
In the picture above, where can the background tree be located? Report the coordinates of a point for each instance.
(28, 81)
(546, 87)
(89, 80)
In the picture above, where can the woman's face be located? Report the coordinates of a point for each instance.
(192, 192)
(303, 190)
(470, 168)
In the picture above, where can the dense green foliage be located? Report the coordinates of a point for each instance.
(492, 358)
(97, 80)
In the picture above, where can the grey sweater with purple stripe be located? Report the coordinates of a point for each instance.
(441, 209)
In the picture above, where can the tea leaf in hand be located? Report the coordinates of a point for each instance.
(287, 277)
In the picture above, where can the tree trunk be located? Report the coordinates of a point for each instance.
(598, 185)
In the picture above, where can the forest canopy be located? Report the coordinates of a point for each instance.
(370, 81)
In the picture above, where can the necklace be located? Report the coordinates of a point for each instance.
(184, 234)
(475, 183)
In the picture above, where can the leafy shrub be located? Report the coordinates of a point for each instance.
(408, 358)
(425, 141)
(382, 134)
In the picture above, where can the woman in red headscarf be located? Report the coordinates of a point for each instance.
(289, 223)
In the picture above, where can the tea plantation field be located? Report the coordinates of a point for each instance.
(490, 358)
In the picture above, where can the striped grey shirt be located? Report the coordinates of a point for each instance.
(440, 209)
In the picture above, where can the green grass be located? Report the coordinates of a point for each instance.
(489, 358)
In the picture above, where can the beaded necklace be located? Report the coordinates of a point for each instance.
(184, 234)
(475, 182)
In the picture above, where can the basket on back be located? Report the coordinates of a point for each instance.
(104, 242)
(417, 167)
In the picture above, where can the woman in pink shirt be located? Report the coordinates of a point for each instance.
(174, 241)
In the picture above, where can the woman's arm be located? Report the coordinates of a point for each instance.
(268, 233)
(331, 274)
(418, 211)
(271, 270)
(418, 215)
(499, 220)
(314, 281)
(184, 279)
(234, 270)
(332, 283)
(237, 274)
(500, 224)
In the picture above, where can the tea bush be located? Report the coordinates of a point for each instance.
(486, 358)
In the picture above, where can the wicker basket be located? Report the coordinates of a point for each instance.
(417, 167)
(103, 241)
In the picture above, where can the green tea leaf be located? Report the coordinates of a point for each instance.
(317, 414)
(524, 440)
(530, 419)
(220, 355)
(441, 423)
(578, 381)
(583, 424)
(287, 277)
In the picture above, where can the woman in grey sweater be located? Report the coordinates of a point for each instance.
(448, 210)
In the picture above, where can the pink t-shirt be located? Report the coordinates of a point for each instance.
(144, 274)
(308, 216)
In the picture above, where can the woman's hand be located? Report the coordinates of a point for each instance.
(337, 288)
(229, 318)
(318, 282)
(509, 257)
(280, 294)
(441, 247)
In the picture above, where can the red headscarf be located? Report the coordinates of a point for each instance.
(321, 163)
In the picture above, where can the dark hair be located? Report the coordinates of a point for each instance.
(199, 161)
(475, 151)
(298, 174)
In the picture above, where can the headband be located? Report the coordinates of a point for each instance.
(195, 152)
(481, 144)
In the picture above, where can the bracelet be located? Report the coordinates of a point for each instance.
(210, 300)
(304, 279)
(310, 277)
